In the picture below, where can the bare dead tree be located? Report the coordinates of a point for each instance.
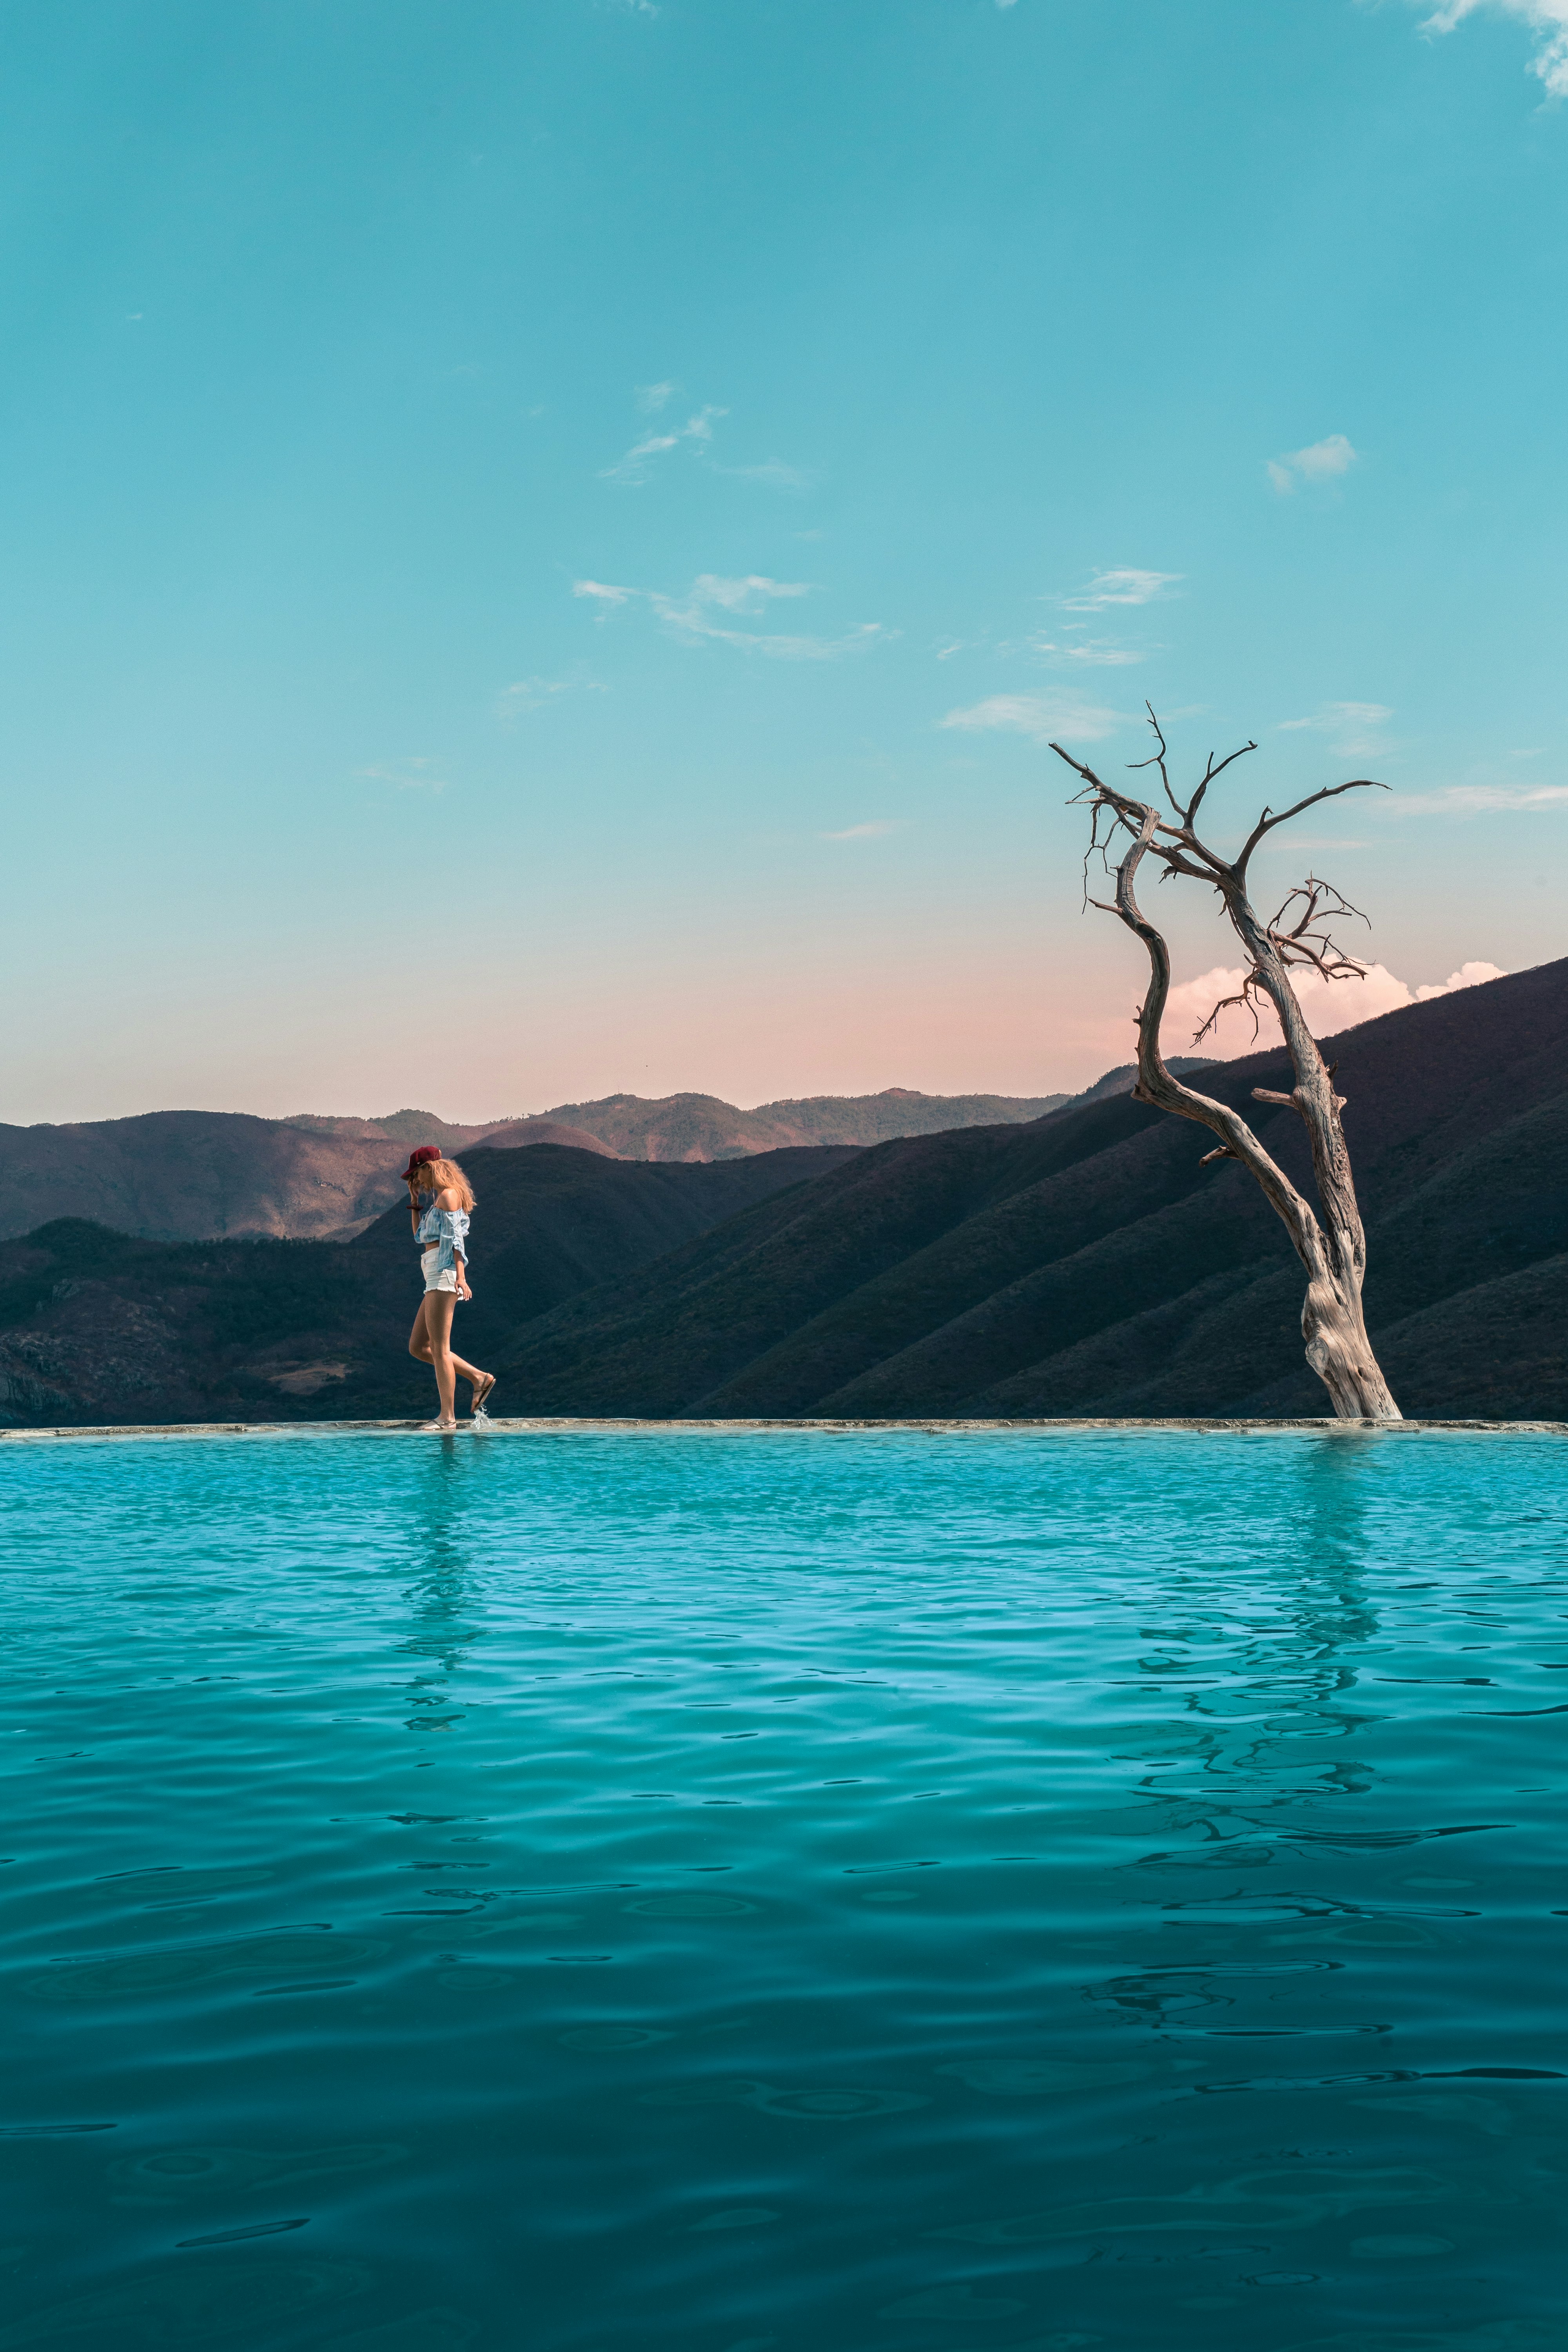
(1333, 1252)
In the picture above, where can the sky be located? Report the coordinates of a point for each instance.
(542, 546)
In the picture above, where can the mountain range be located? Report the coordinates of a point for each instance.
(703, 1127)
(103, 1326)
(190, 1175)
(1083, 1263)
(1090, 1264)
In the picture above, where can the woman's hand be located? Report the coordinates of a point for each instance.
(463, 1290)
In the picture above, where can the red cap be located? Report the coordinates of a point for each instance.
(420, 1159)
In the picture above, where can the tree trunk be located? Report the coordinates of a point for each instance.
(1334, 1253)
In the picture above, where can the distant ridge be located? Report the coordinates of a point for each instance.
(1087, 1263)
(705, 1127)
(196, 1175)
(1092, 1262)
(109, 1325)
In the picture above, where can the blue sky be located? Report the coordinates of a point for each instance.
(542, 543)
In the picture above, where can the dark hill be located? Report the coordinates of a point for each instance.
(702, 1127)
(198, 1175)
(1086, 1263)
(189, 1175)
(705, 1127)
(97, 1326)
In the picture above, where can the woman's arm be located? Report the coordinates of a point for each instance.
(447, 1199)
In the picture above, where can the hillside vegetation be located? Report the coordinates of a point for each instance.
(1089, 1264)
(1082, 1264)
(701, 1127)
(191, 1175)
(97, 1326)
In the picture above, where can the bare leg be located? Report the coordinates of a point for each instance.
(420, 1348)
(440, 1308)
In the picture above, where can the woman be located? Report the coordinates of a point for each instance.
(439, 1200)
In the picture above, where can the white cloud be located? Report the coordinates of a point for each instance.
(773, 644)
(633, 467)
(1547, 19)
(1351, 726)
(872, 832)
(1469, 975)
(408, 775)
(772, 474)
(1335, 714)
(741, 596)
(1330, 1005)
(1037, 716)
(534, 693)
(1323, 461)
(1481, 800)
(1095, 653)
(691, 616)
(1286, 845)
(652, 397)
(1123, 586)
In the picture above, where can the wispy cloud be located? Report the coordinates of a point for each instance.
(694, 615)
(1287, 844)
(747, 595)
(1095, 653)
(408, 775)
(1323, 461)
(534, 693)
(1548, 19)
(696, 436)
(1351, 726)
(1480, 800)
(872, 832)
(1125, 585)
(772, 474)
(1038, 716)
(633, 468)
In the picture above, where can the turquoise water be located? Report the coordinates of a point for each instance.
(735, 1892)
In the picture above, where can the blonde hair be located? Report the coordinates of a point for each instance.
(436, 1175)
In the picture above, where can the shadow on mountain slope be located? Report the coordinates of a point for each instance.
(1086, 1263)
(1082, 1264)
(97, 1326)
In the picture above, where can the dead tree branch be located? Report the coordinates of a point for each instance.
(1333, 1250)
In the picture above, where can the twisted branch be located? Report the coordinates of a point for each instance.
(1333, 1253)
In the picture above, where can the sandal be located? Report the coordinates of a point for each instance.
(481, 1397)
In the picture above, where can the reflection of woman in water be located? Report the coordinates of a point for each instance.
(439, 1200)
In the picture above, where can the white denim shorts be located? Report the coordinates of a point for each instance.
(437, 1277)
